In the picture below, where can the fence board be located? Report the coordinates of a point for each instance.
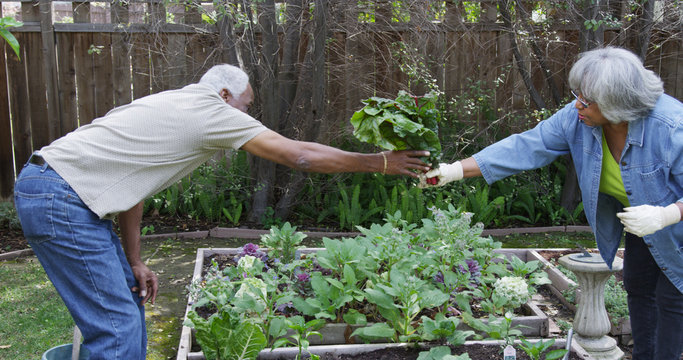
(6, 158)
(85, 81)
(140, 66)
(19, 106)
(37, 91)
(121, 67)
(103, 74)
(67, 83)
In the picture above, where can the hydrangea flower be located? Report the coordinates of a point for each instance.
(513, 288)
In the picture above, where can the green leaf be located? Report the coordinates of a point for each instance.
(374, 332)
(555, 354)
(353, 317)
(247, 341)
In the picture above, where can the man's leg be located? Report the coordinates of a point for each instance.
(84, 260)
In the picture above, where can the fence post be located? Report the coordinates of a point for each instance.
(50, 68)
(6, 159)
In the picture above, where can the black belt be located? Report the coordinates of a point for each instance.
(37, 160)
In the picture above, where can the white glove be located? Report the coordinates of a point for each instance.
(445, 173)
(646, 219)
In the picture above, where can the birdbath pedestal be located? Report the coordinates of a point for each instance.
(591, 322)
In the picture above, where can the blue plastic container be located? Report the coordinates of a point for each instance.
(63, 352)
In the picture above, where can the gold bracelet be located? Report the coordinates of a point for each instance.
(385, 163)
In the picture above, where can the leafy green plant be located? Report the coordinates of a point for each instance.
(234, 212)
(443, 328)
(8, 216)
(537, 349)
(147, 230)
(483, 209)
(302, 331)
(386, 279)
(283, 242)
(408, 122)
(441, 353)
(495, 328)
(6, 23)
(400, 299)
(330, 296)
(351, 214)
(223, 337)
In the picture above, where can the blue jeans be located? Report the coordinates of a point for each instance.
(655, 305)
(84, 259)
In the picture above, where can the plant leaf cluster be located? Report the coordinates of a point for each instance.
(401, 281)
(406, 123)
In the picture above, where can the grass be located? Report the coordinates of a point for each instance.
(38, 320)
(34, 316)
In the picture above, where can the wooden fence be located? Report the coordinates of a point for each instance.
(109, 53)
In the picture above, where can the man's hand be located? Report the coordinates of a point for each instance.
(404, 162)
(444, 174)
(646, 219)
(149, 284)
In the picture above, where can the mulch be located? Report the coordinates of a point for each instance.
(13, 239)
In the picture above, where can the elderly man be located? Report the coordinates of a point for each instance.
(69, 191)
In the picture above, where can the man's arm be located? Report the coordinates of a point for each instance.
(129, 221)
(314, 157)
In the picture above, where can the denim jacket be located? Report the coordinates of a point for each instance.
(651, 168)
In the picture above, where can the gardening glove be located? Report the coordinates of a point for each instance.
(444, 174)
(646, 219)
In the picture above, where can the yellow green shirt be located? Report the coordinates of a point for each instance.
(610, 178)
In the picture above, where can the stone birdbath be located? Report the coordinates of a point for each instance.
(591, 322)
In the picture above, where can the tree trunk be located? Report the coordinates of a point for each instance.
(310, 100)
(519, 59)
(269, 104)
(645, 28)
(538, 54)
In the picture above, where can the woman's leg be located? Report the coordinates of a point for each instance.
(655, 305)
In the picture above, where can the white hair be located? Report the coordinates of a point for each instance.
(225, 76)
(617, 81)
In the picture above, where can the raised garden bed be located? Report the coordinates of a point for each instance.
(476, 350)
(534, 323)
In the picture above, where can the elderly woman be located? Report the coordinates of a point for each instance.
(625, 137)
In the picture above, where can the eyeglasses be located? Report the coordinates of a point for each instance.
(581, 100)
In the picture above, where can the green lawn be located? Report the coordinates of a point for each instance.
(34, 316)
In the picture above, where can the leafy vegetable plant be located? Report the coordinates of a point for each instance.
(408, 122)
(398, 281)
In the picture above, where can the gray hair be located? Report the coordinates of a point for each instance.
(228, 77)
(617, 81)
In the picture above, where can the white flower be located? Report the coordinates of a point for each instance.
(514, 289)
(246, 262)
